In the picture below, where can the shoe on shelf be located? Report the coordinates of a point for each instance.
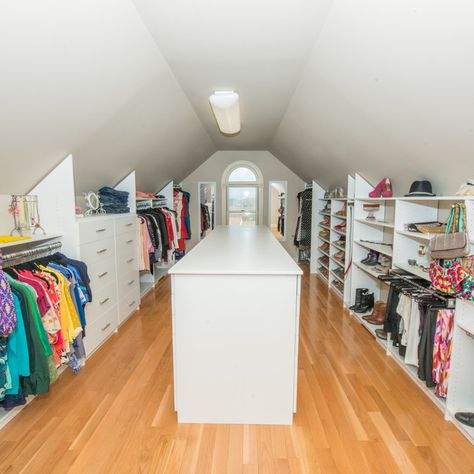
(340, 226)
(358, 298)
(372, 260)
(367, 303)
(377, 317)
(381, 334)
(369, 257)
(324, 234)
(466, 418)
(324, 247)
(383, 189)
(340, 256)
(326, 222)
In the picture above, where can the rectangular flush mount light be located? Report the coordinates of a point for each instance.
(225, 105)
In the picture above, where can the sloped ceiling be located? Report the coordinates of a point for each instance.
(388, 90)
(329, 86)
(85, 77)
(258, 48)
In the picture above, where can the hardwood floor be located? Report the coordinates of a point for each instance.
(357, 411)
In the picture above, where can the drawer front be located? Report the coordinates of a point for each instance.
(102, 272)
(99, 250)
(102, 300)
(129, 304)
(127, 244)
(125, 224)
(126, 264)
(96, 229)
(98, 331)
(127, 283)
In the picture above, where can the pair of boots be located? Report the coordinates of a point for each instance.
(364, 301)
(377, 317)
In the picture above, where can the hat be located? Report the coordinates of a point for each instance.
(466, 189)
(420, 188)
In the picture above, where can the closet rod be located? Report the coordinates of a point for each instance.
(31, 252)
(450, 300)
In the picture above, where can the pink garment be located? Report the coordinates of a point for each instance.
(146, 247)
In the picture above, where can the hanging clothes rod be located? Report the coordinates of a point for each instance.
(33, 252)
(451, 301)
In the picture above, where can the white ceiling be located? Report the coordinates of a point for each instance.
(258, 48)
(329, 86)
(85, 77)
(388, 90)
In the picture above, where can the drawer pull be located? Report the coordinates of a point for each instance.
(130, 260)
(102, 275)
(104, 301)
(101, 230)
(101, 250)
(106, 327)
(129, 241)
(129, 224)
(131, 282)
(131, 304)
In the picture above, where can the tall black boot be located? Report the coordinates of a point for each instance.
(366, 304)
(358, 299)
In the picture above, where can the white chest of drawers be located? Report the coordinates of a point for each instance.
(109, 247)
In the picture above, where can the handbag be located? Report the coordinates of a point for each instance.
(453, 244)
(448, 276)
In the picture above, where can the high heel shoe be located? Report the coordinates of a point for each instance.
(387, 188)
(384, 188)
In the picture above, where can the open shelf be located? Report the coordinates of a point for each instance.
(377, 223)
(340, 232)
(413, 270)
(35, 239)
(370, 271)
(383, 249)
(324, 253)
(323, 239)
(339, 217)
(416, 235)
(336, 276)
(336, 246)
(328, 214)
(341, 264)
(324, 226)
(323, 265)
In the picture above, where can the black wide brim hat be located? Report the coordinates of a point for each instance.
(420, 188)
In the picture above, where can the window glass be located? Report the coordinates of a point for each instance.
(242, 205)
(242, 175)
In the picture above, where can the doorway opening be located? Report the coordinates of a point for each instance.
(277, 191)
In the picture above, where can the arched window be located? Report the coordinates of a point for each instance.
(242, 184)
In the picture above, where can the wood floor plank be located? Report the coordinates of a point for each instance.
(357, 410)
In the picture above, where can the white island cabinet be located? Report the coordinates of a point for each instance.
(235, 303)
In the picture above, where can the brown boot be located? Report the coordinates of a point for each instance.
(378, 314)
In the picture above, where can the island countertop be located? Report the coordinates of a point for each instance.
(237, 250)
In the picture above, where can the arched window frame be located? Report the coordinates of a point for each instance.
(259, 183)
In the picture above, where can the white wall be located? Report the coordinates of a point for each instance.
(388, 90)
(85, 77)
(272, 170)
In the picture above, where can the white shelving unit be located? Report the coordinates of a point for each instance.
(461, 382)
(149, 280)
(334, 272)
(366, 236)
(390, 227)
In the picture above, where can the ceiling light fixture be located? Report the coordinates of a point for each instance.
(226, 108)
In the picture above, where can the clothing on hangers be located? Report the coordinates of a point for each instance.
(48, 295)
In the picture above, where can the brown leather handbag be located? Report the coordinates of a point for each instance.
(453, 244)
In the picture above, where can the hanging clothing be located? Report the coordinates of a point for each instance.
(48, 298)
(442, 348)
(303, 227)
